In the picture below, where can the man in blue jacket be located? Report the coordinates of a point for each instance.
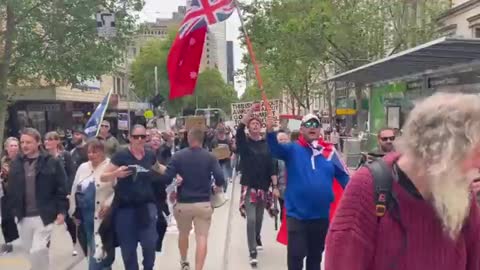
(312, 165)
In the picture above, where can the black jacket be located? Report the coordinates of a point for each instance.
(50, 188)
(256, 162)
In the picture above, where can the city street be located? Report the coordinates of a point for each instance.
(227, 246)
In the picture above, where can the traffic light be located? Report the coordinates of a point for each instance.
(157, 100)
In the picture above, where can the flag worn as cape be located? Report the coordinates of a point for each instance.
(328, 151)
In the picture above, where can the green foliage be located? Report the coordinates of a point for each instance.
(288, 38)
(153, 54)
(211, 90)
(57, 41)
(272, 88)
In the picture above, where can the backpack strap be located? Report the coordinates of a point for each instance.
(382, 180)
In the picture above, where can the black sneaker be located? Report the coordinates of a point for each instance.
(253, 258)
(259, 244)
(185, 266)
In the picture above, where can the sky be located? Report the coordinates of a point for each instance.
(163, 9)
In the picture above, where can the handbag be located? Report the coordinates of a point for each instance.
(217, 199)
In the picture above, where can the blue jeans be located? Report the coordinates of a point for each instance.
(129, 234)
(87, 206)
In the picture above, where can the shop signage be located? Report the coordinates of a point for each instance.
(43, 107)
(346, 111)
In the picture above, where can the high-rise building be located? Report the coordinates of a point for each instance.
(215, 51)
(230, 64)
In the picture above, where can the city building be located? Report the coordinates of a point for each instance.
(461, 20)
(230, 64)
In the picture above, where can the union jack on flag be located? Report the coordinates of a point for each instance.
(202, 13)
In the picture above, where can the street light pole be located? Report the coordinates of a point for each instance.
(156, 80)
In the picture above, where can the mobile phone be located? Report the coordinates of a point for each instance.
(132, 168)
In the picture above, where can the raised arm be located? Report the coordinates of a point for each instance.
(279, 151)
(240, 136)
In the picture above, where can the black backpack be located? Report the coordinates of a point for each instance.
(382, 183)
(385, 201)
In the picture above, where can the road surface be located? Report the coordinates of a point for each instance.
(227, 246)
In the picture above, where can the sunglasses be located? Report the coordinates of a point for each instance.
(311, 124)
(139, 137)
(384, 139)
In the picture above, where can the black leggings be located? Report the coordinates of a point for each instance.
(306, 238)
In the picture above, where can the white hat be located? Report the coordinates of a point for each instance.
(309, 117)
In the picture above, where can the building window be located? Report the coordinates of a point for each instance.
(476, 32)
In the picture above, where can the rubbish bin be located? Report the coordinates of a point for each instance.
(352, 151)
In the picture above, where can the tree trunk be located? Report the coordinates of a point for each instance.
(330, 106)
(5, 67)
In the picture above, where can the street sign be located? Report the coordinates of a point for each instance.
(346, 111)
(148, 114)
(106, 24)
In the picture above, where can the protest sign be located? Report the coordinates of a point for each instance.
(241, 108)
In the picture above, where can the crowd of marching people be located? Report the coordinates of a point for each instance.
(107, 194)
(410, 205)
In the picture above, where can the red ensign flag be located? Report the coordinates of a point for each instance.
(185, 55)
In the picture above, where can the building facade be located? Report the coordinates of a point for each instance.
(461, 20)
(230, 63)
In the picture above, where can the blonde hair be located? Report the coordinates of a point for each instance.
(9, 140)
(55, 136)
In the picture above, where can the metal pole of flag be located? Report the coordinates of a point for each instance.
(253, 58)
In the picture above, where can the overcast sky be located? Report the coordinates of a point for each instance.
(163, 9)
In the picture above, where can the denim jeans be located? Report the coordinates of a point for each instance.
(129, 234)
(87, 206)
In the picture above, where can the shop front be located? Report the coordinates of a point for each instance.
(397, 82)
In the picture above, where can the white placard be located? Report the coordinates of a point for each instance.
(241, 108)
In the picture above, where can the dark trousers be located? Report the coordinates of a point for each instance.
(129, 234)
(282, 207)
(9, 227)
(71, 228)
(306, 238)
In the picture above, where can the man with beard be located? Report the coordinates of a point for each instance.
(432, 220)
(385, 138)
(79, 153)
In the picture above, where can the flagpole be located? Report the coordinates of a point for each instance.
(104, 111)
(253, 58)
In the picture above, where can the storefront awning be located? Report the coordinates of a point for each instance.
(440, 53)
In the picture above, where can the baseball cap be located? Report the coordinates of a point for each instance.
(310, 117)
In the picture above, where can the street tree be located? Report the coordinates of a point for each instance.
(52, 43)
(288, 38)
(272, 88)
(362, 31)
(213, 91)
(153, 53)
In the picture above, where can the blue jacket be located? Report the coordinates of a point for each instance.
(310, 178)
